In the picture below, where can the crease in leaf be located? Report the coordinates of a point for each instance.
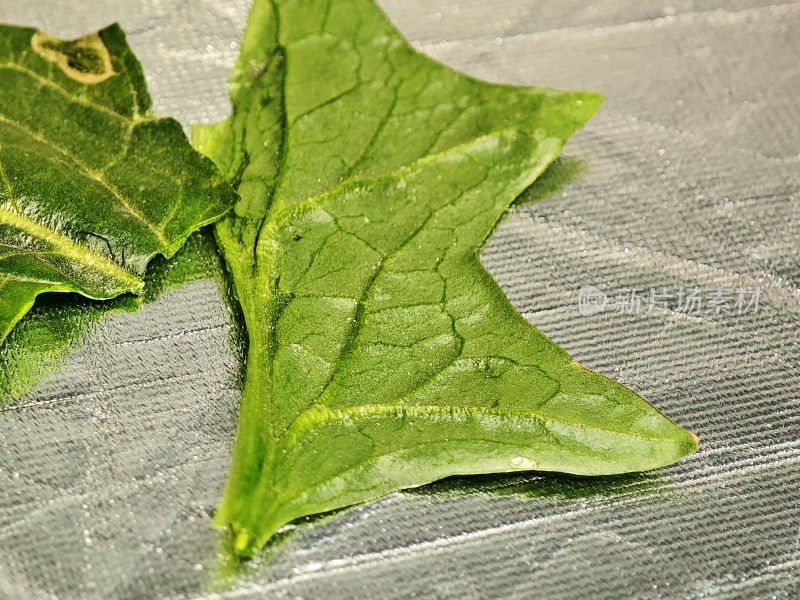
(381, 353)
(92, 184)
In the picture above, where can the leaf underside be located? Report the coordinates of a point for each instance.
(92, 184)
(381, 354)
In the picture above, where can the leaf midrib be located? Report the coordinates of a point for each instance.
(282, 218)
(318, 415)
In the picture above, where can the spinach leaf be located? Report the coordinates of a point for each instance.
(381, 354)
(92, 185)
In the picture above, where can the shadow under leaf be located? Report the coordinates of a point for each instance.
(564, 170)
(230, 570)
(59, 321)
(556, 487)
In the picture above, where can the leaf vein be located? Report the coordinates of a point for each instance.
(84, 170)
(70, 249)
(48, 81)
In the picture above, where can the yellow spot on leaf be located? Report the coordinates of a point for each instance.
(85, 59)
(242, 541)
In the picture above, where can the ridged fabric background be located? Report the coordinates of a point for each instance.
(688, 182)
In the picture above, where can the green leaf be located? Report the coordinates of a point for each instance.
(92, 185)
(381, 354)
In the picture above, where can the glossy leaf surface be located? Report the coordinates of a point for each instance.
(381, 354)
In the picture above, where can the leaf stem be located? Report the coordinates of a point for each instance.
(255, 288)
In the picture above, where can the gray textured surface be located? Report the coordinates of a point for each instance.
(691, 180)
